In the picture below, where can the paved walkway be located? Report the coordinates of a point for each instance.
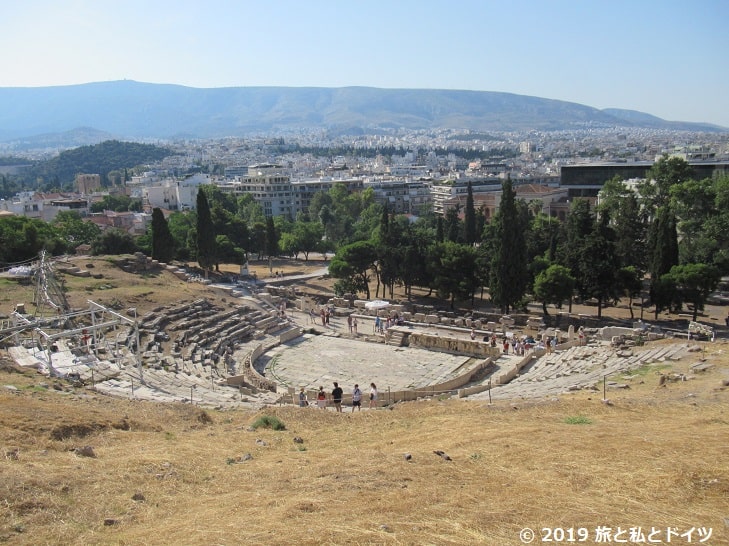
(318, 360)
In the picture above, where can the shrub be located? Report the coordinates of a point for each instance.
(203, 417)
(268, 421)
(578, 420)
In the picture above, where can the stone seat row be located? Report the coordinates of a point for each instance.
(159, 386)
(589, 362)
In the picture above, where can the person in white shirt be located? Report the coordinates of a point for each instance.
(373, 395)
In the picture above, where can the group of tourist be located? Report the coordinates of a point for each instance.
(324, 315)
(382, 324)
(336, 396)
(509, 345)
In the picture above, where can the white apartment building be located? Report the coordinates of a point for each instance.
(278, 194)
(44, 206)
(268, 186)
(173, 194)
(449, 193)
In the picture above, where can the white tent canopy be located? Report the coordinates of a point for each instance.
(377, 304)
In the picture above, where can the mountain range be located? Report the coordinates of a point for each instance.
(92, 112)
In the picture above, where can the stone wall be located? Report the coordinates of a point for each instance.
(250, 375)
(609, 332)
(451, 345)
(386, 398)
(504, 377)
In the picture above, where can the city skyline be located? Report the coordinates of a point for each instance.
(649, 56)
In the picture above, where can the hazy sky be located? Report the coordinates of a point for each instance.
(663, 57)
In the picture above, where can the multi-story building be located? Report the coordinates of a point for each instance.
(449, 193)
(586, 180)
(402, 196)
(304, 190)
(552, 201)
(278, 194)
(44, 206)
(87, 183)
(268, 186)
(173, 194)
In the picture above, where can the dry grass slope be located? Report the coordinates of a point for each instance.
(655, 457)
(176, 474)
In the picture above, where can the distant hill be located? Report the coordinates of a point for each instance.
(641, 119)
(110, 155)
(80, 136)
(129, 109)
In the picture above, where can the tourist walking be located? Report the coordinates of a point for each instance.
(354, 324)
(303, 401)
(321, 399)
(356, 398)
(373, 395)
(337, 394)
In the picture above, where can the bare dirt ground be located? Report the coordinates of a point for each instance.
(81, 468)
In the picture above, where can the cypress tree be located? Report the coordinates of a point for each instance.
(385, 224)
(662, 246)
(439, 230)
(163, 244)
(508, 264)
(452, 224)
(470, 218)
(206, 247)
(271, 238)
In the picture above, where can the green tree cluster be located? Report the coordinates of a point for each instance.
(670, 235)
